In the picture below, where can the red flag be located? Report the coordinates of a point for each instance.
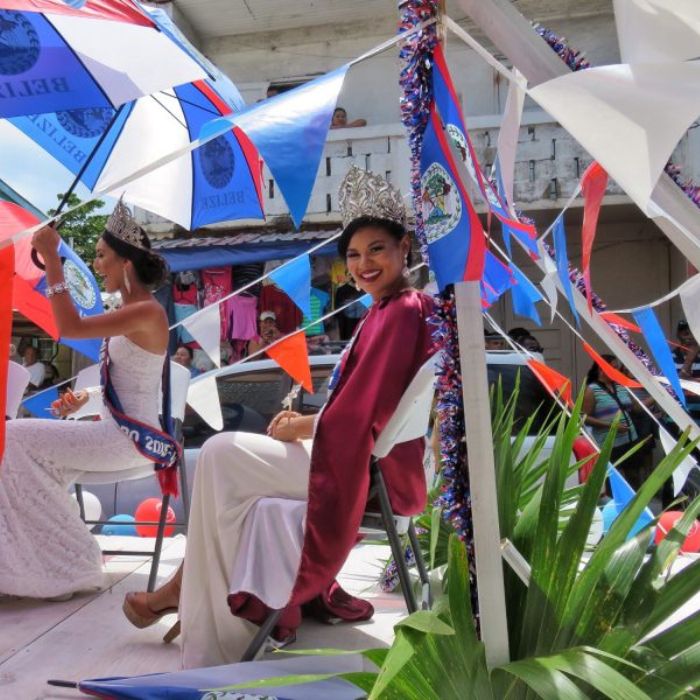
(292, 355)
(593, 184)
(609, 371)
(7, 271)
(34, 305)
(614, 319)
(557, 383)
(14, 219)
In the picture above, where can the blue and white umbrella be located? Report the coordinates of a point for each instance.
(71, 54)
(219, 181)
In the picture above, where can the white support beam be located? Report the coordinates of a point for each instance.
(482, 474)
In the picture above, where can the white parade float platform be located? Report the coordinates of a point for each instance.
(89, 637)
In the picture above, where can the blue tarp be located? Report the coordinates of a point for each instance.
(199, 257)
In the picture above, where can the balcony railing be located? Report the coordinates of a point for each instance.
(549, 164)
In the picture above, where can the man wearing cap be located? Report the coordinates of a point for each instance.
(269, 332)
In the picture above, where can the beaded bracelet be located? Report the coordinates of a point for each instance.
(60, 288)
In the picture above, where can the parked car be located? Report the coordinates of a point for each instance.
(251, 393)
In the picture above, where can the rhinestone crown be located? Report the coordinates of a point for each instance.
(364, 193)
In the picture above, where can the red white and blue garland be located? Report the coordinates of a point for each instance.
(416, 100)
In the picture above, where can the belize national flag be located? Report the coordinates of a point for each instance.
(455, 237)
(450, 112)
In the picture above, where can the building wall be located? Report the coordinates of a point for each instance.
(633, 262)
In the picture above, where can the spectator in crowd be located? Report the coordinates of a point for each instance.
(523, 337)
(37, 369)
(687, 360)
(493, 341)
(184, 356)
(605, 400)
(269, 332)
(340, 120)
(52, 376)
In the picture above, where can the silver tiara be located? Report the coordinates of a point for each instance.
(122, 225)
(364, 193)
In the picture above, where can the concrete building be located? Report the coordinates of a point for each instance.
(277, 43)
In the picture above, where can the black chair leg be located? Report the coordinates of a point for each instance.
(426, 596)
(185, 494)
(155, 562)
(261, 636)
(81, 501)
(397, 548)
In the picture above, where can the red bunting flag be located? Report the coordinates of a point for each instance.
(593, 184)
(7, 271)
(292, 355)
(557, 383)
(620, 377)
(615, 320)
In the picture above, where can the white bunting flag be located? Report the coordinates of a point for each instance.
(668, 442)
(205, 328)
(203, 397)
(690, 300)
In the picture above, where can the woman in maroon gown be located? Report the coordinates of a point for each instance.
(320, 461)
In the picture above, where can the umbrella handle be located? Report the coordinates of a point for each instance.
(37, 260)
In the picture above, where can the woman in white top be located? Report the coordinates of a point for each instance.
(45, 549)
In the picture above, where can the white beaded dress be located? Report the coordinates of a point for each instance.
(45, 548)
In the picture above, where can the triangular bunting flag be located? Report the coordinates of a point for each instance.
(294, 278)
(622, 494)
(593, 184)
(549, 281)
(525, 233)
(498, 278)
(289, 131)
(680, 475)
(690, 300)
(7, 270)
(39, 405)
(292, 355)
(525, 296)
(613, 319)
(619, 377)
(36, 307)
(646, 318)
(203, 397)
(205, 328)
(456, 242)
(365, 300)
(556, 383)
(562, 259)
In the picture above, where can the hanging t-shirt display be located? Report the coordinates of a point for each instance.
(216, 284)
(319, 303)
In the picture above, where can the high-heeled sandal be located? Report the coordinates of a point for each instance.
(141, 620)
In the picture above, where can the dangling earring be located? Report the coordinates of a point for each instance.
(127, 284)
(405, 272)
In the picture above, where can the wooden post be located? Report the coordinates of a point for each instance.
(482, 474)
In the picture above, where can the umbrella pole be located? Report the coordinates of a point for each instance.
(35, 257)
(88, 160)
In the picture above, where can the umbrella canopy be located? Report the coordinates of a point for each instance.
(61, 55)
(220, 181)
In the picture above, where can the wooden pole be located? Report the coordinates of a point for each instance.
(482, 474)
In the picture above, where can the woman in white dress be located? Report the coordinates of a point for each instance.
(45, 549)
(325, 481)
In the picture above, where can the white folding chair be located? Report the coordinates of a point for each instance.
(179, 382)
(409, 421)
(17, 382)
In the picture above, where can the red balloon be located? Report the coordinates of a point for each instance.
(666, 524)
(149, 510)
